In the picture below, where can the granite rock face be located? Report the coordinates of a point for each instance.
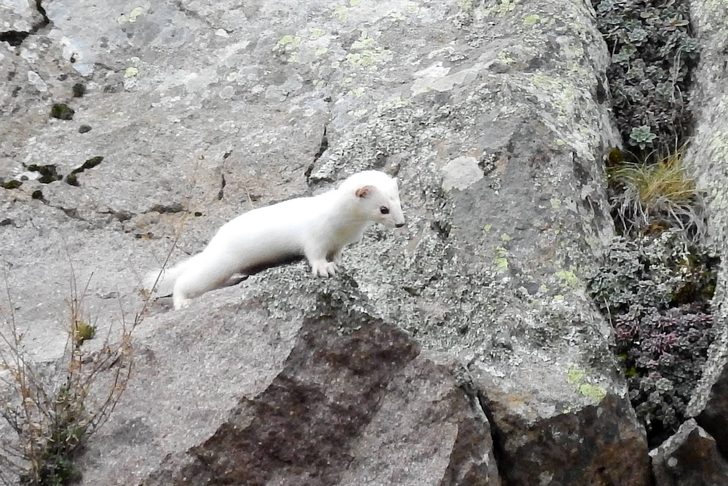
(708, 155)
(18, 18)
(495, 118)
(709, 406)
(326, 394)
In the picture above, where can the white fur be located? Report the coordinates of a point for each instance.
(317, 227)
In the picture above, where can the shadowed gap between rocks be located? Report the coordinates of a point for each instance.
(16, 38)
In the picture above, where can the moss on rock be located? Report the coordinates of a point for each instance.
(62, 111)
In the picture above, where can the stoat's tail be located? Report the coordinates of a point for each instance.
(165, 278)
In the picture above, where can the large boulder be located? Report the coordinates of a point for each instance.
(495, 117)
(274, 388)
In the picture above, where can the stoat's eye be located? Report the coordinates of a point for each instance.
(384, 210)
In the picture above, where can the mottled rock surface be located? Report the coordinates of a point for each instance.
(495, 118)
(709, 405)
(320, 393)
(689, 458)
(708, 155)
(17, 17)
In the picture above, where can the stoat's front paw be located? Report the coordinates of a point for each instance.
(322, 268)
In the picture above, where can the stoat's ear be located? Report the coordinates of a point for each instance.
(364, 191)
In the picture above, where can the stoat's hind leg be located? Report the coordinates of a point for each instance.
(206, 273)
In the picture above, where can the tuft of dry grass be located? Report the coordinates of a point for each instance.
(648, 198)
(54, 409)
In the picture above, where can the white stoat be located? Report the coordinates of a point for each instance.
(317, 228)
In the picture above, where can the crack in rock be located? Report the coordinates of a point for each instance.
(15, 37)
(323, 146)
(192, 14)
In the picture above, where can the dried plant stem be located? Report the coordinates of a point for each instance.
(53, 413)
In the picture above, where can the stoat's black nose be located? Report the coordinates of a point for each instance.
(399, 225)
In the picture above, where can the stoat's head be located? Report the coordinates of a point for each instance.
(377, 197)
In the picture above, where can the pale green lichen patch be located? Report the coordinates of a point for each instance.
(559, 93)
(569, 278)
(501, 259)
(131, 72)
(361, 59)
(506, 57)
(288, 45)
(502, 7)
(563, 99)
(366, 52)
(364, 43)
(287, 42)
(341, 13)
(577, 377)
(315, 33)
(594, 392)
(532, 19)
(132, 17)
(135, 13)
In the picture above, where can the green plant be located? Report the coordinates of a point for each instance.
(83, 331)
(652, 197)
(653, 53)
(667, 349)
(62, 111)
(641, 136)
(53, 413)
(656, 289)
(657, 279)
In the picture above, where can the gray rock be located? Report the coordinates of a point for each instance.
(18, 16)
(709, 405)
(689, 458)
(212, 108)
(328, 394)
(708, 155)
(528, 435)
(708, 150)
